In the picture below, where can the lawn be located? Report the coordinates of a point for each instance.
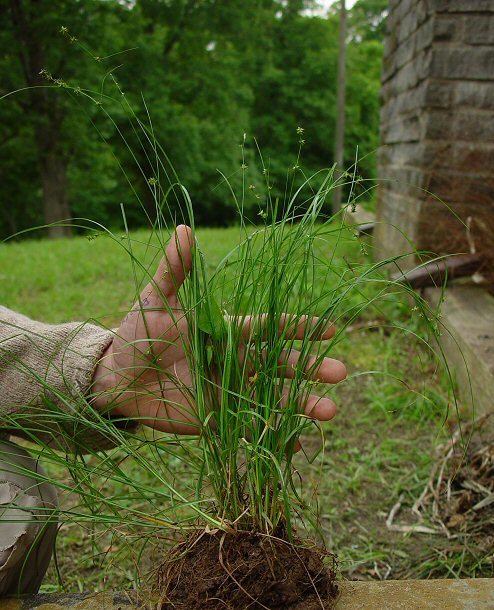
(379, 449)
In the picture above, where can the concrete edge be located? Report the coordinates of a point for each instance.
(468, 594)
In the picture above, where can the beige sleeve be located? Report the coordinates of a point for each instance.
(45, 376)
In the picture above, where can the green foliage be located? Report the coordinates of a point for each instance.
(367, 20)
(206, 72)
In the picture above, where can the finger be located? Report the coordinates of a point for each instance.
(321, 409)
(169, 411)
(325, 370)
(290, 326)
(315, 407)
(172, 270)
(177, 262)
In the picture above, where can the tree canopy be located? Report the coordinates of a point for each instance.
(199, 74)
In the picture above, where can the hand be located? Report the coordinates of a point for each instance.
(145, 374)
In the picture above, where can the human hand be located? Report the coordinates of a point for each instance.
(145, 372)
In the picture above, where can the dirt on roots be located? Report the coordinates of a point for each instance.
(212, 571)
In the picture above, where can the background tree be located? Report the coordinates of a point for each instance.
(200, 73)
(41, 55)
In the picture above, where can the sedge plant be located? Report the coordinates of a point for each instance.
(252, 373)
(254, 329)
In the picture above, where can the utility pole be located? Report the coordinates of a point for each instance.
(339, 144)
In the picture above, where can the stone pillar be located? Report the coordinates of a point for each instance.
(436, 161)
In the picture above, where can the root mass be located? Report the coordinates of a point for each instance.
(213, 571)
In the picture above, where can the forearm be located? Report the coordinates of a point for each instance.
(44, 364)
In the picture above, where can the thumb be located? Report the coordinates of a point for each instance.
(177, 262)
(172, 270)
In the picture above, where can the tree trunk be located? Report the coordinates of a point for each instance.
(53, 170)
(47, 117)
(339, 146)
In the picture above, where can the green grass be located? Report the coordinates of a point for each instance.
(379, 446)
(56, 281)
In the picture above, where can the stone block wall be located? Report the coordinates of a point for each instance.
(436, 161)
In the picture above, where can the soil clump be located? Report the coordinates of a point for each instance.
(212, 571)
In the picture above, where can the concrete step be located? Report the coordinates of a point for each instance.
(467, 316)
(467, 594)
